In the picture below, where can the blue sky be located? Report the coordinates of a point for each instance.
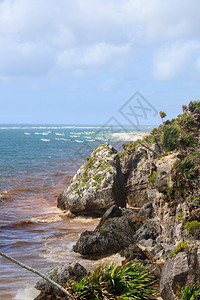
(78, 62)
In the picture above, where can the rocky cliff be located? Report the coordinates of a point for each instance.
(159, 178)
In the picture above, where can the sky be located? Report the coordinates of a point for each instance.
(90, 61)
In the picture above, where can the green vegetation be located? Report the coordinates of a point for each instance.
(181, 247)
(194, 200)
(91, 173)
(177, 134)
(130, 281)
(193, 227)
(170, 194)
(55, 272)
(162, 115)
(190, 292)
(180, 217)
(170, 138)
(184, 108)
(102, 231)
(152, 178)
(180, 136)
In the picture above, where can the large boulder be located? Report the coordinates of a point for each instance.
(97, 185)
(114, 233)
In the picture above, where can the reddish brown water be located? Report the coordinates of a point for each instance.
(34, 231)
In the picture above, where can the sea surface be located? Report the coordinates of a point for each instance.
(36, 164)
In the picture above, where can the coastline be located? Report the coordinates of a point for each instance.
(30, 219)
(142, 203)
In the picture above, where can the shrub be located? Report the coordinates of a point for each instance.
(193, 227)
(102, 231)
(170, 138)
(184, 108)
(187, 140)
(180, 217)
(194, 105)
(152, 178)
(190, 292)
(130, 281)
(181, 247)
(170, 194)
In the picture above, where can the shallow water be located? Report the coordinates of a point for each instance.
(36, 165)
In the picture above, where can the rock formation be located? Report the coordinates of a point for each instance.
(98, 184)
(160, 176)
(59, 275)
(113, 234)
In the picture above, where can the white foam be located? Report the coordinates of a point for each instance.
(121, 136)
(51, 219)
(28, 293)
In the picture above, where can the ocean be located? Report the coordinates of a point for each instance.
(36, 164)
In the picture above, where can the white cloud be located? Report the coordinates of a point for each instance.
(22, 59)
(172, 59)
(65, 34)
(92, 56)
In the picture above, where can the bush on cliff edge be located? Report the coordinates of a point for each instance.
(130, 281)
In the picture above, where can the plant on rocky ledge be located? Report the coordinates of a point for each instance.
(181, 247)
(170, 137)
(152, 178)
(102, 231)
(55, 272)
(130, 281)
(180, 217)
(177, 134)
(193, 227)
(194, 200)
(190, 292)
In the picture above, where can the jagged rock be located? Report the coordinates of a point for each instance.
(164, 174)
(157, 249)
(146, 212)
(112, 212)
(135, 168)
(60, 276)
(183, 269)
(132, 252)
(132, 215)
(145, 233)
(97, 185)
(113, 235)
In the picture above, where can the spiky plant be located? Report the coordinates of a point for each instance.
(130, 281)
(190, 292)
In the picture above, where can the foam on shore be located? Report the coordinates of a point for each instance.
(124, 136)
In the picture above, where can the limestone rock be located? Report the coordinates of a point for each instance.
(132, 252)
(59, 275)
(164, 174)
(136, 168)
(111, 235)
(183, 269)
(112, 212)
(97, 185)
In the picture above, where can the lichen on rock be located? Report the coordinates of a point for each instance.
(97, 185)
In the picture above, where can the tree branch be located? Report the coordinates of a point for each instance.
(38, 273)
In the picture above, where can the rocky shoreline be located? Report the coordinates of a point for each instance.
(150, 211)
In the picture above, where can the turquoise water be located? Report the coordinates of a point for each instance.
(36, 164)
